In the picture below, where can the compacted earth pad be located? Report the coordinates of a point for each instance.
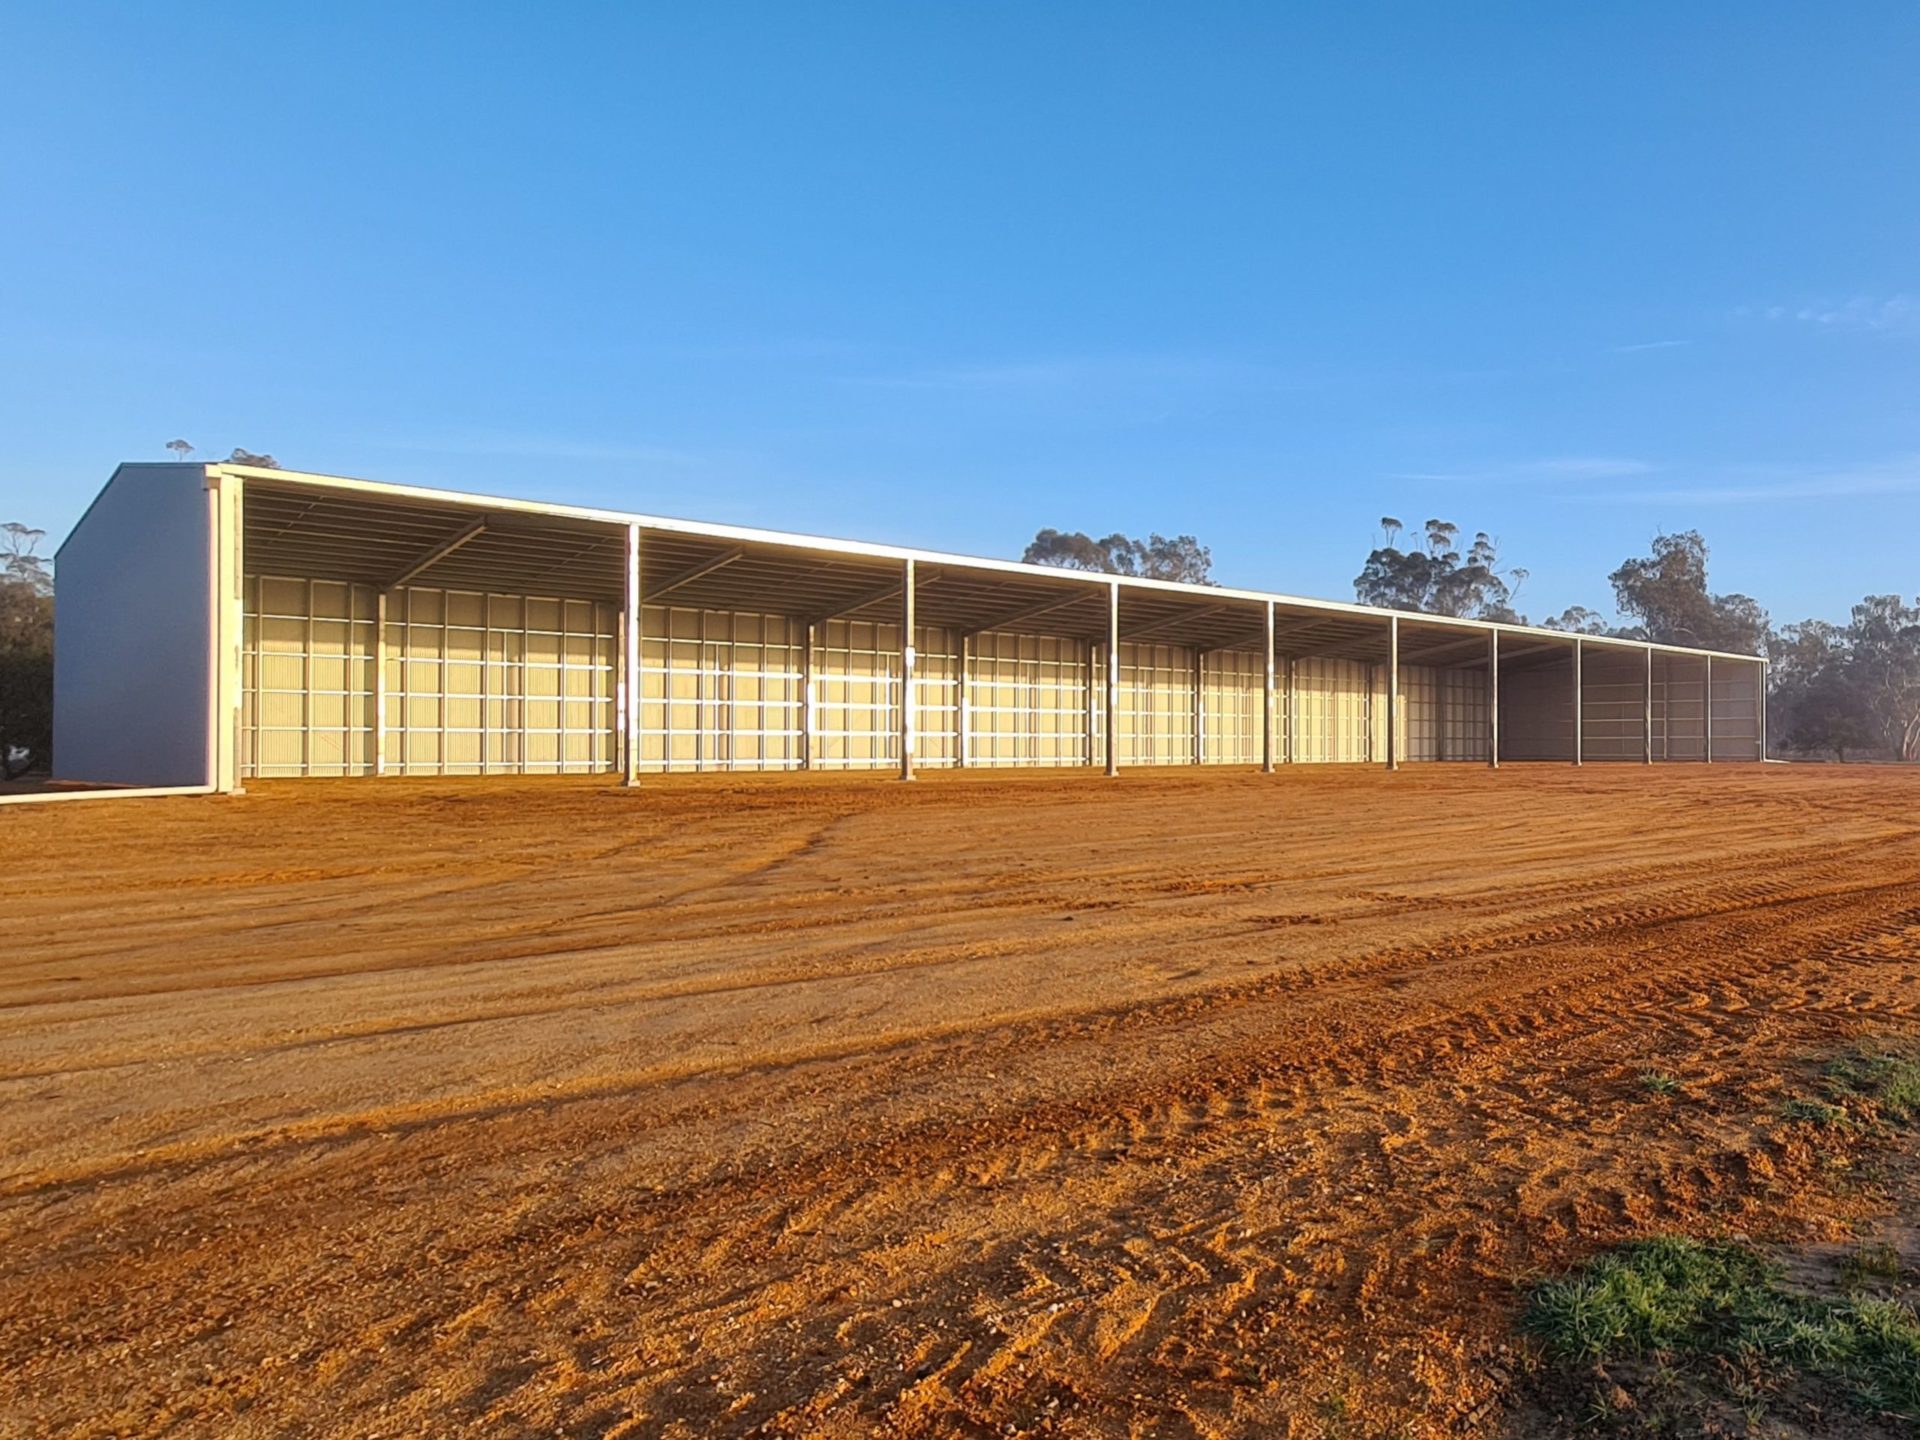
(1200, 1103)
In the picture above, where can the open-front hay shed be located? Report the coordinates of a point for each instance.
(220, 622)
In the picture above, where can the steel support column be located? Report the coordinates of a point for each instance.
(1368, 707)
(1706, 711)
(379, 684)
(1579, 747)
(963, 705)
(1393, 692)
(629, 666)
(1293, 710)
(1113, 678)
(1647, 696)
(1199, 706)
(806, 695)
(1666, 706)
(1493, 699)
(1093, 750)
(1266, 696)
(906, 670)
(1760, 708)
(225, 630)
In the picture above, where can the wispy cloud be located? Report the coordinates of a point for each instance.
(1565, 468)
(1761, 485)
(1649, 345)
(1590, 468)
(1884, 314)
(1610, 481)
(1043, 375)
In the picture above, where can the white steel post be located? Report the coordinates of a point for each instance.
(1647, 696)
(1666, 707)
(250, 675)
(1293, 709)
(1266, 705)
(1366, 714)
(963, 705)
(630, 663)
(806, 695)
(906, 670)
(1493, 698)
(1393, 692)
(620, 625)
(225, 625)
(1578, 743)
(380, 685)
(1706, 711)
(1199, 706)
(486, 686)
(1113, 678)
(306, 685)
(1093, 755)
(1760, 709)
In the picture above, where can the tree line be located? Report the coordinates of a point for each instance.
(26, 652)
(1850, 690)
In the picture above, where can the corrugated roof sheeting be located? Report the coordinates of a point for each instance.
(377, 535)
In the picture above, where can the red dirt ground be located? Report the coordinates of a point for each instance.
(1183, 1104)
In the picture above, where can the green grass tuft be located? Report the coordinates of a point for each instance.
(1892, 1080)
(1658, 1082)
(1816, 1112)
(1710, 1302)
(1871, 1262)
(1649, 1295)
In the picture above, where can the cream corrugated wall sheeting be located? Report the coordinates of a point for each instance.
(307, 695)
(1028, 699)
(474, 682)
(481, 682)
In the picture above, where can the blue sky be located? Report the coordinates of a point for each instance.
(944, 275)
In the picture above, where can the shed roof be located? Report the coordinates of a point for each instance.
(385, 534)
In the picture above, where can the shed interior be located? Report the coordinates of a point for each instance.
(389, 633)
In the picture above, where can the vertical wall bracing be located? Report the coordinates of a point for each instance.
(1493, 698)
(1266, 692)
(630, 661)
(909, 691)
(453, 682)
(1112, 660)
(1393, 693)
(1647, 718)
(1579, 729)
(343, 679)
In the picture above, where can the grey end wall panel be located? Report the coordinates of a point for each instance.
(1679, 707)
(1613, 693)
(1736, 715)
(133, 633)
(1536, 712)
(1463, 716)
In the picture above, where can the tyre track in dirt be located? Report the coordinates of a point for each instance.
(1365, 971)
(1232, 1206)
(1167, 1126)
